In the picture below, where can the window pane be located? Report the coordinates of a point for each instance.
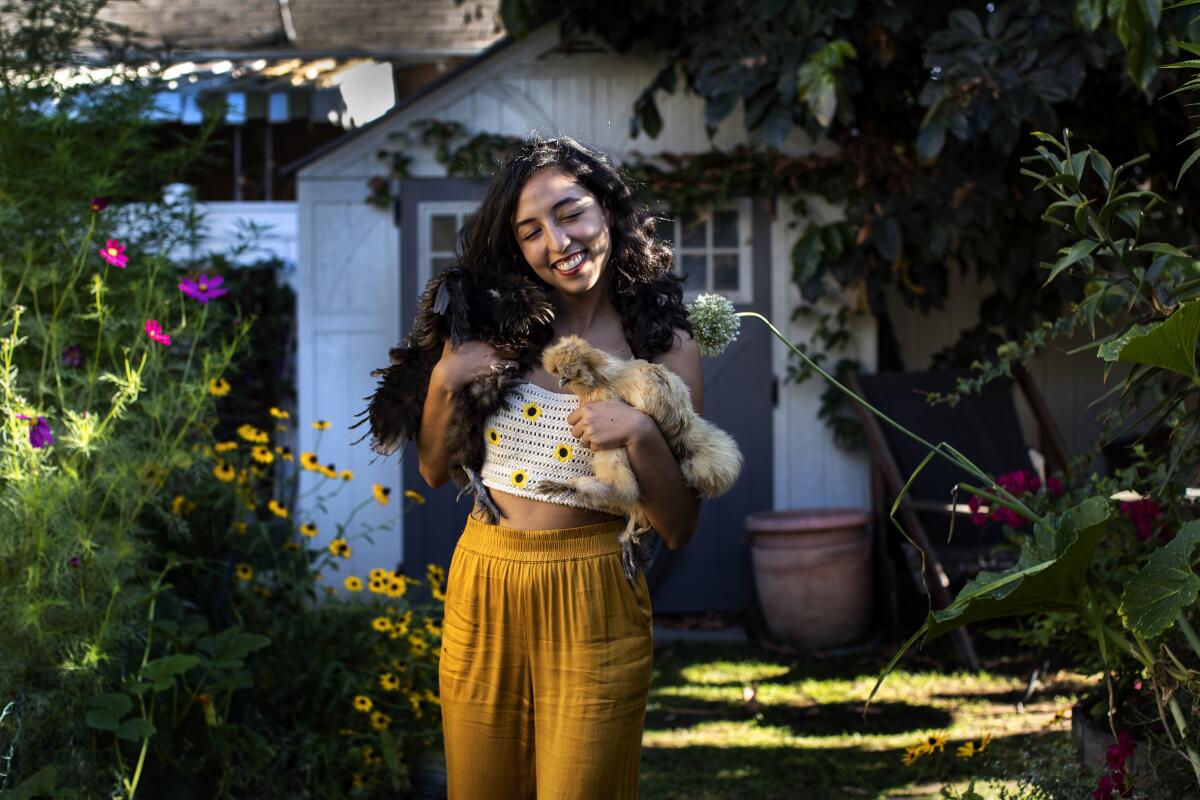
(439, 263)
(694, 268)
(442, 230)
(665, 229)
(725, 272)
(694, 234)
(725, 229)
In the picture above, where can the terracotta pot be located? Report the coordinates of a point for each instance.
(813, 571)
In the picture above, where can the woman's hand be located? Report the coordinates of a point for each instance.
(472, 360)
(608, 424)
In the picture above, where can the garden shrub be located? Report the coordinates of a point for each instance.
(167, 630)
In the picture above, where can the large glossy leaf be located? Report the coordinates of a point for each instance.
(1048, 576)
(1170, 344)
(1165, 586)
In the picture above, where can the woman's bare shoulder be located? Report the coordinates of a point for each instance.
(684, 360)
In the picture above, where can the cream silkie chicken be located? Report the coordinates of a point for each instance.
(709, 458)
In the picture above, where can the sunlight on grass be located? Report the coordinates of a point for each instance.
(721, 726)
(722, 672)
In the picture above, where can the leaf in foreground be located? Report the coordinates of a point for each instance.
(1164, 587)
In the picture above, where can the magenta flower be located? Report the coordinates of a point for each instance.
(40, 434)
(155, 332)
(98, 204)
(1145, 515)
(1104, 789)
(203, 288)
(1055, 487)
(74, 562)
(72, 356)
(114, 253)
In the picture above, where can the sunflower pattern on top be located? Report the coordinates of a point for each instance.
(528, 440)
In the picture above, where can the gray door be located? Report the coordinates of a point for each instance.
(711, 573)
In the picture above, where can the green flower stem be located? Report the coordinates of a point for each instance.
(991, 498)
(1181, 723)
(944, 450)
(131, 786)
(1189, 633)
(354, 513)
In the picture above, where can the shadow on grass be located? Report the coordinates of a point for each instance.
(705, 772)
(826, 719)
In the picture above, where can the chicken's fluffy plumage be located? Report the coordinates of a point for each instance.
(709, 458)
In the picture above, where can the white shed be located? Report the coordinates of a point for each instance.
(351, 266)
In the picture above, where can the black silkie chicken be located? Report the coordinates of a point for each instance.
(513, 315)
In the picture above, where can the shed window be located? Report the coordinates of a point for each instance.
(437, 242)
(713, 250)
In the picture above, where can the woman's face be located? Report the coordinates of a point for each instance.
(562, 231)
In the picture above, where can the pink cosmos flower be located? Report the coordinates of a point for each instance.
(155, 332)
(40, 434)
(203, 288)
(98, 204)
(114, 253)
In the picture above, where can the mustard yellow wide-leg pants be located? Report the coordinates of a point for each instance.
(545, 665)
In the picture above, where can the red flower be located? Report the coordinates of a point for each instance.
(98, 204)
(155, 332)
(1145, 515)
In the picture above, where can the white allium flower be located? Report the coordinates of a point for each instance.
(715, 325)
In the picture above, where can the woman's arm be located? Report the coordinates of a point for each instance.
(672, 506)
(455, 369)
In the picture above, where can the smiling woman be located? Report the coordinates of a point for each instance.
(546, 655)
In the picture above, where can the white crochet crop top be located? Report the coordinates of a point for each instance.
(528, 440)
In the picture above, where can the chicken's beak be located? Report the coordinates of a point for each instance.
(562, 381)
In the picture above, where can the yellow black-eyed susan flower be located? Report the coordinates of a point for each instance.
(353, 583)
(562, 452)
(308, 529)
(180, 505)
(252, 434)
(415, 496)
(493, 436)
(434, 573)
(224, 472)
(321, 425)
(284, 453)
(377, 586)
(262, 454)
(389, 682)
(381, 624)
(240, 528)
(290, 547)
(278, 413)
(347, 475)
(520, 478)
(309, 461)
(340, 548)
(363, 703)
(396, 586)
(329, 471)
(218, 387)
(225, 447)
(278, 510)
(370, 756)
(380, 721)
(419, 644)
(531, 411)
(380, 492)
(379, 573)
(243, 571)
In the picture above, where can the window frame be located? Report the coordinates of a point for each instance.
(426, 211)
(744, 294)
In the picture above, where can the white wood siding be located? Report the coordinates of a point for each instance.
(346, 321)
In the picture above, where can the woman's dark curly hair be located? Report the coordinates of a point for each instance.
(644, 290)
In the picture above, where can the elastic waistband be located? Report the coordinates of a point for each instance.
(586, 541)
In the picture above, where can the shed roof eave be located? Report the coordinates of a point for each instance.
(406, 102)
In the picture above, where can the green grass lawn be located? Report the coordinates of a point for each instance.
(803, 733)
